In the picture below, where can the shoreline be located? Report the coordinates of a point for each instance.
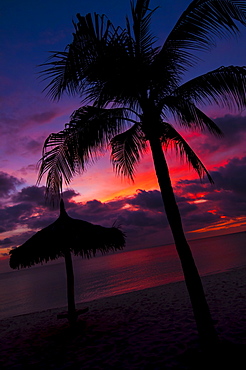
(116, 296)
(79, 305)
(135, 330)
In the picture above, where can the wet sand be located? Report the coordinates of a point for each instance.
(148, 329)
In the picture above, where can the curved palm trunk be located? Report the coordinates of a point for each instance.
(72, 317)
(206, 330)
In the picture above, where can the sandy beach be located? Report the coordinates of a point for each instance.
(148, 329)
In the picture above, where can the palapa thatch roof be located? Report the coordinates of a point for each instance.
(80, 237)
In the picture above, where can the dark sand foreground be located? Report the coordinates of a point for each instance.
(149, 329)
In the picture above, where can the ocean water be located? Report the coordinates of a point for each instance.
(43, 287)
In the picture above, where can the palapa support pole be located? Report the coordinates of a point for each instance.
(65, 231)
(72, 316)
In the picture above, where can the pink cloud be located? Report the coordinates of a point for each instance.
(203, 207)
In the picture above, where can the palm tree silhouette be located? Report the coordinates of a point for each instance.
(129, 89)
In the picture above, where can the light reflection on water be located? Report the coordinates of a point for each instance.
(128, 271)
(43, 287)
(219, 253)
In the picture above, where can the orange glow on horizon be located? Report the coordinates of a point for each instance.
(223, 225)
(199, 201)
(198, 198)
(2, 258)
(197, 195)
(130, 207)
(146, 181)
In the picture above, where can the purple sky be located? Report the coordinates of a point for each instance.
(28, 30)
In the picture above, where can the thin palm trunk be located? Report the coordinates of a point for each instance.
(70, 288)
(206, 330)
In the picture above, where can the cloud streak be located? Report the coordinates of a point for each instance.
(27, 117)
(141, 216)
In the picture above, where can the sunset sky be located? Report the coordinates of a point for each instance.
(28, 31)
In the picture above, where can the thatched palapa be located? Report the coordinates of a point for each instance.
(62, 237)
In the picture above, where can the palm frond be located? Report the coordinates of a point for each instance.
(72, 69)
(197, 29)
(127, 149)
(62, 74)
(97, 126)
(187, 114)
(73, 149)
(141, 15)
(171, 138)
(205, 18)
(225, 86)
(61, 162)
(104, 64)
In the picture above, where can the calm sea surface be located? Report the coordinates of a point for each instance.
(42, 287)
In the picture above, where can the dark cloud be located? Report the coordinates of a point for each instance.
(32, 145)
(26, 145)
(43, 117)
(184, 206)
(31, 194)
(67, 195)
(95, 207)
(234, 134)
(13, 216)
(18, 239)
(36, 196)
(17, 112)
(95, 211)
(227, 196)
(232, 176)
(141, 216)
(151, 203)
(199, 218)
(233, 128)
(26, 203)
(192, 186)
(30, 168)
(148, 200)
(5, 242)
(30, 209)
(8, 184)
(143, 213)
